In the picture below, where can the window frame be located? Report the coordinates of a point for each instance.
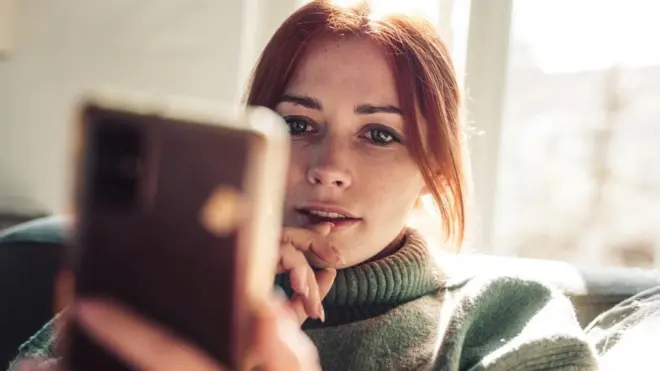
(486, 67)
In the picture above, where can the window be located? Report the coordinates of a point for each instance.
(579, 154)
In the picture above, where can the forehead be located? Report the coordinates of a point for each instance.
(357, 67)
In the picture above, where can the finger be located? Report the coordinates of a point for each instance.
(323, 229)
(49, 365)
(312, 302)
(303, 281)
(141, 344)
(281, 343)
(309, 241)
(294, 262)
(36, 364)
(28, 364)
(324, 280)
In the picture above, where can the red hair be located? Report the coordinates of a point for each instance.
(425, 82)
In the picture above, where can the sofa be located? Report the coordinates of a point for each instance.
(30, 255)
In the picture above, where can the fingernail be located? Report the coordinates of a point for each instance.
(302, 287)
(321, 312)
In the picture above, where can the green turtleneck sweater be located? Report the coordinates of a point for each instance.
(404, 312)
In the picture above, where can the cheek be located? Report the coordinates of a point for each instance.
(396, 188)
(393, 184)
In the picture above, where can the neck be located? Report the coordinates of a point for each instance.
(390, 249)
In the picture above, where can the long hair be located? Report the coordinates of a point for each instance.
(425, 82)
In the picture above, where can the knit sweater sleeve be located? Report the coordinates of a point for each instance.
(39, 347)
(514, 324)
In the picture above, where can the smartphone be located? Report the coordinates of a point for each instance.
(178, 214)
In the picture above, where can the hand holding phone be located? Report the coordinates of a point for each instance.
(179, 214)
(144, 345)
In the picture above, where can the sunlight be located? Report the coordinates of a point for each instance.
(381, 8)
(425, 8)
(565, 36)
(346, 3)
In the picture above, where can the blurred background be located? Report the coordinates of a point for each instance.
(561, 102)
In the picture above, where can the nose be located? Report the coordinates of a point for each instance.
(329, 163)
(328, 176)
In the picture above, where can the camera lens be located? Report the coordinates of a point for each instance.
(117, 146)
(129, 167)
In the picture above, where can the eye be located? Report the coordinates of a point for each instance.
(298, 125)
(382, 136)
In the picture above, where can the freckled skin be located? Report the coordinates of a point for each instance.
(377, 183)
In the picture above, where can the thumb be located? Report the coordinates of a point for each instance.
(325, 279)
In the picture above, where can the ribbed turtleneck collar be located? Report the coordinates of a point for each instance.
(371, 288)
(405, 275)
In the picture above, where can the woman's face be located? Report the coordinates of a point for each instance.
(349, 159)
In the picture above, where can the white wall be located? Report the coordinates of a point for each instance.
(64, 47)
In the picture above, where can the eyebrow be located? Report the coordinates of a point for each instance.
(305, 101)
(368, 109)
(362, 109)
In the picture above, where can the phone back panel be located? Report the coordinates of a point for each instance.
(163, 227)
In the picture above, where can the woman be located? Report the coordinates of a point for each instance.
(372, 105)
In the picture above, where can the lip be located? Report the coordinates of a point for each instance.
(337, 225)
(328, 208)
